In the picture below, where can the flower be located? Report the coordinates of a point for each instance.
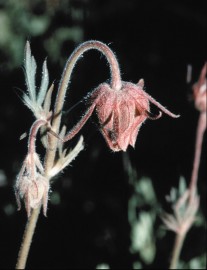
(31, 185)
(200, 91)
(120, 112)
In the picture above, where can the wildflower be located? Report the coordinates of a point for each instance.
(121, 112)
(121, 107)
(31, 185)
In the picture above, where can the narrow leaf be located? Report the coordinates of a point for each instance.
(44, 84)
(30, 71)
(73, 154)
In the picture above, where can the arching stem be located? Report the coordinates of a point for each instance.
(65, 80)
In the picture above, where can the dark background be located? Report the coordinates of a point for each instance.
(154, 40)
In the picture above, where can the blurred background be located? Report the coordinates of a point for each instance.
(104, 210)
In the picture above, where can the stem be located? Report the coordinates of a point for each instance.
(192, 186)
(198, 148)
(79, 125)
(176, 250)
(32, 221)
(65, 80)
(88, 45)
(33, 133)
(27, 239)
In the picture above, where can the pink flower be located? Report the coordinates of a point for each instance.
(31, 185)
(120, 112)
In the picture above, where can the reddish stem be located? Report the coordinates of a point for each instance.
(33, 133)
(88, 45)
(80, 124)
(198, 148)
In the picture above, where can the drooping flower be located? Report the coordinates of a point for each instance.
(120, 113)
(31, 185)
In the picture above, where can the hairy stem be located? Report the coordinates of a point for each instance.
(80, 124)
(27, 239)
(88, 45)
(65, 80)
(33, 133)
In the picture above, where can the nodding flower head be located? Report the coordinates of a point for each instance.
(120, 113)
(121, 107)
(200, 90)
(31, 185)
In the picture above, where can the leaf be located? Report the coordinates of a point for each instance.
(30, 71)
(64, 161)
(44, 84)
